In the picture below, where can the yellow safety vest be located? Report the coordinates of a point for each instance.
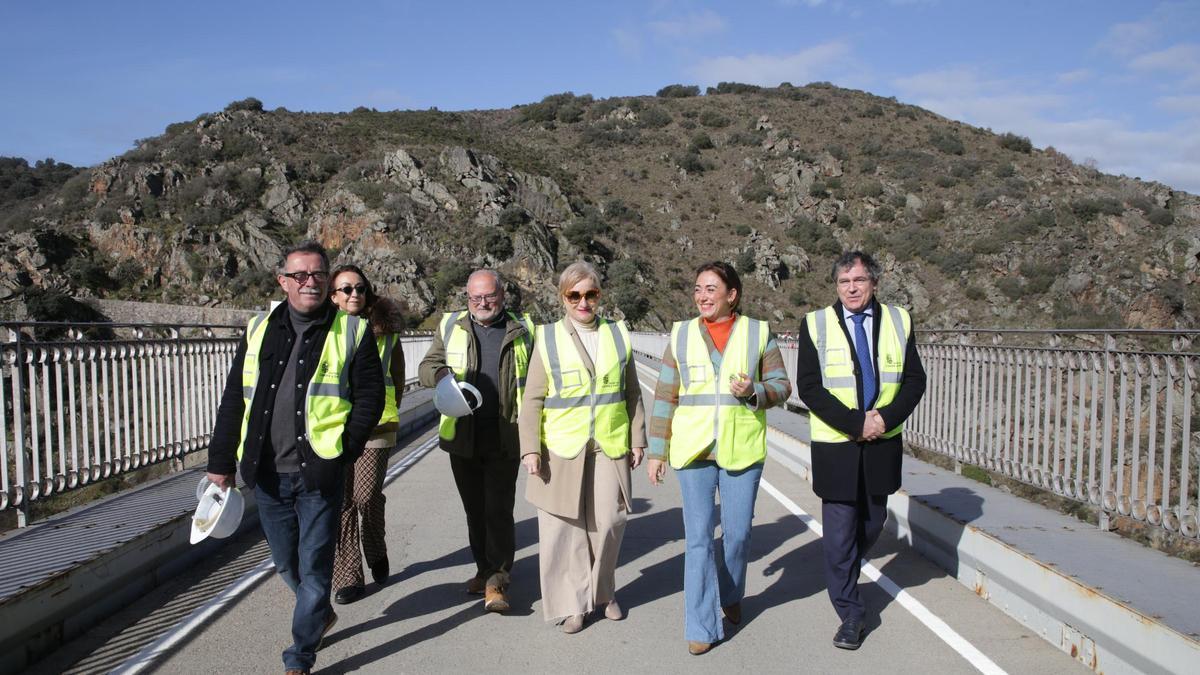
(837, 365)
(455, 339)
(387, 344)
(708, 412)
(578, 405)
(327, 402)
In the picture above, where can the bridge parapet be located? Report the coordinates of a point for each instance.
(86, 401)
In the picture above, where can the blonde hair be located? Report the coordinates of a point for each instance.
(575, 273)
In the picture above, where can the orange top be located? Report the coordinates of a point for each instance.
(719, 330)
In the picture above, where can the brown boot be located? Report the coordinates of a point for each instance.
(494, 599)
(475, 585)
(698, 648)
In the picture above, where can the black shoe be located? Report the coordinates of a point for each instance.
(849, 634)
(349, 594)
(329, 621)
(379, 571)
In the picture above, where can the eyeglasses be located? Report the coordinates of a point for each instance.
(302, 278)
(574, 296)
(350, 290)
(480, 299)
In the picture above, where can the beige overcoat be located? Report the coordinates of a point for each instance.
(558, 489)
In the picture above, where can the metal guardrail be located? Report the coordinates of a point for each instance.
(1108, 418)
(1100, 417)
(83, 402)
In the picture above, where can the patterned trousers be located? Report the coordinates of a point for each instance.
(364, 498)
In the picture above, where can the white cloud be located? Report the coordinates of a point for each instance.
(1179, 104)
(1124, 39)
(800, 67)
(691, 26)
(1075, 76)
(1168, 155)
(1181, 57)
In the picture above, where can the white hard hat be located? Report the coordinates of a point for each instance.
(449, 398)
(218, 514)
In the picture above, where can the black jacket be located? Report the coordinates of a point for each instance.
(366, 393)
(836, 466)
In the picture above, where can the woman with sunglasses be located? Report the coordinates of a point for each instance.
(720, 373)
(582, 429)
(364, 499)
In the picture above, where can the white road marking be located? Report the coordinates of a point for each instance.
(940, 628)
(151, 652)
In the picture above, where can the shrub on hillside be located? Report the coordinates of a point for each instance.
(946, 142)
(512, 217)
(745, 138)
(1088, 208)
(547, 110)
(1038, 276)
(744, 262)
(757, 189)
(1016, 143)
(733, 88)
(869, 188)
(700, 141)
(873, 110)
(653, 117)
(690, 162)
(608, 134)
(496, 243)
(713, 119)
(250, 103)
(678, 91)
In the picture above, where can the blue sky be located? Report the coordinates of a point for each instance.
(1112, 83)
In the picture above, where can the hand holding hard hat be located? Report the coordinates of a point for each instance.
(456, 399)
(219, 512)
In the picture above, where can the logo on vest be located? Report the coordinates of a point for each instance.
(891, 360)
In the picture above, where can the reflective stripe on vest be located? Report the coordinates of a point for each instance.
(387, 345)
(455, 340)
(708, 412)
(327, 402)
(579, 406)
(837, 366)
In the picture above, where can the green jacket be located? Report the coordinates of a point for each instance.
(463, 443)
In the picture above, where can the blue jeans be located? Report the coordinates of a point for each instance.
(714, 575)
(301, 527)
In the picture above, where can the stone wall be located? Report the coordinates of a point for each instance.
(126, 311)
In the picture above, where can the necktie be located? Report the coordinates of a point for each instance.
(862, 348)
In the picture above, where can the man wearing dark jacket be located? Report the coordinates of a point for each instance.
(489, 348)
(858, 372)
(303, 394)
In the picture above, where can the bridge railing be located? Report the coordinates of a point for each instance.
(1107, 418)
(83, 402)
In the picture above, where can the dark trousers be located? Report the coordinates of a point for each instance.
(488, 488)
(850, 530)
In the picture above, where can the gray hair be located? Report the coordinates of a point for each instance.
(492, 273)
(846, 260)
(306, 246)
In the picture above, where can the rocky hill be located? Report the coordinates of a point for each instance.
(973, 227)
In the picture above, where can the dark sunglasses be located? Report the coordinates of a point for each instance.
(574, 296)
(302, 278)
(350, 290)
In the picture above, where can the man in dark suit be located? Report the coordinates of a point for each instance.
(858, 372)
